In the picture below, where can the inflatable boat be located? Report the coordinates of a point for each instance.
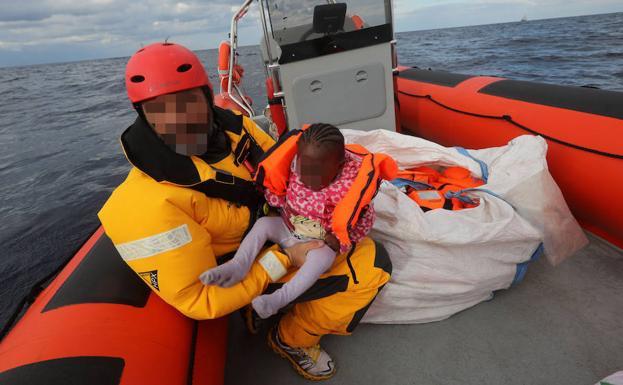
(583, 128)
(99, 323)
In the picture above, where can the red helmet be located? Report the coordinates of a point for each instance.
(163, 68)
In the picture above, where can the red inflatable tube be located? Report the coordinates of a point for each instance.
(98, 323)
(583, 128)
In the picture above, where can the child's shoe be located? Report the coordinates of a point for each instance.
(313, 363)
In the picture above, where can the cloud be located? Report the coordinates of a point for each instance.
(32, 23)
(42, 9)
(85, 29)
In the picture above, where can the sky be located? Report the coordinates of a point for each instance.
(45, 31)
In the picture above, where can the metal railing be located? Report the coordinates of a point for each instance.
(240, 100)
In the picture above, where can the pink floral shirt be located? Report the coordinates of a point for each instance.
(319, 205)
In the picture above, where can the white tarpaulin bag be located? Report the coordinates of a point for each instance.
(447, 261)
(615, 379)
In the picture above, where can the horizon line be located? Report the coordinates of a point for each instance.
(255, 45)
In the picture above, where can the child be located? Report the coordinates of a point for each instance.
(321, 174)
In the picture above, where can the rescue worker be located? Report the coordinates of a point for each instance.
(189, 199)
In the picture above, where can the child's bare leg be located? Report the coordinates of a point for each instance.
(231, 272)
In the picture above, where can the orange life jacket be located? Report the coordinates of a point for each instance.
(420, 174)
(274, 172)
(451, 179)
(459, 176)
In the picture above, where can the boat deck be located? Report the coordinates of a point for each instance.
(562, 325)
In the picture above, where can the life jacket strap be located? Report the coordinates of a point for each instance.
(402, 182)
(461, 193)
(484, 169)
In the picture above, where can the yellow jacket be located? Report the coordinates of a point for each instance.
(174, 215)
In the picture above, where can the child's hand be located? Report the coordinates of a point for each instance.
(332, 241)
(298, 252)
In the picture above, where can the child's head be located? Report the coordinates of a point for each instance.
(320, 155)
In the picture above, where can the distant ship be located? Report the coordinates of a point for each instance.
(524, 18)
